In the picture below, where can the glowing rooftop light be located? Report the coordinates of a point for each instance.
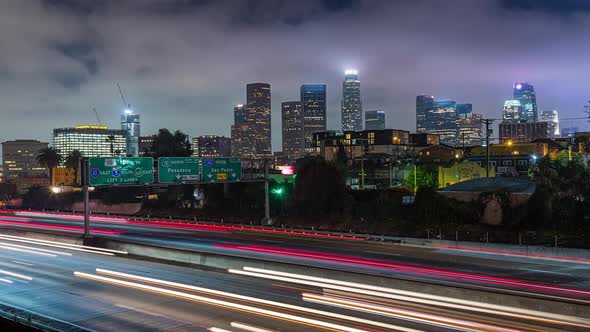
(351, 72)
(518, 86)
(128, 111)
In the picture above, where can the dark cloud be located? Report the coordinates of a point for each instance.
(183, 64)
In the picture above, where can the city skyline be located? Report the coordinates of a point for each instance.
(70, 69)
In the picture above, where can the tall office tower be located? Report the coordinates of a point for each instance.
(423, 105)
(374, 120)
(313, 103)
(130, 123)
(552, 118)
(91, 141)
(352, 107)
(258, 119)
(293, 137)
(469, 126)
(442, 120)
(19, 159)
(240, 115)
(239, 134)
(211, 146)
(525, 94)
(512, 110)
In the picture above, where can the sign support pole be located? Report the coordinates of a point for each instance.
(267, 219)
(86, 173)
(86, 211)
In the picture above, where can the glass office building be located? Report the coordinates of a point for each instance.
(92, 141)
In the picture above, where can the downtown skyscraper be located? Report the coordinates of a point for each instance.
(258, 119)
(374, 120)
(292, 123)
(525, 94)
(313, 103)
(352, 107)
(424, 103)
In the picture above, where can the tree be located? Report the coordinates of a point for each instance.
(167, 144)
(49, 158)
(319, 187)
(73, 161)
(424, 177)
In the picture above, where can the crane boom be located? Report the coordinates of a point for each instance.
(125, 104)
(97, 117)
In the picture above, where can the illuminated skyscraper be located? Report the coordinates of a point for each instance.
(293, 138)
(352, 107)
(423, 105)
(211, 146)
(525, 94)
(313, 103)
(239, 115)
(258, 119)
(512, 110)
(442, 120)
(374, 120)
(130, 123)
(552, 118)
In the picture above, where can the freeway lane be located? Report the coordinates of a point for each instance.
(115, 293)
(561, 278)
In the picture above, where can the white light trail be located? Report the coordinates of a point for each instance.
(6, 281)
(217, 329)
(255, 300)
(36, 249)
(28, 251)
(16, 275)
(74, 247)
(409, 315)
(415, 297)
(221, 303)
(250, 328)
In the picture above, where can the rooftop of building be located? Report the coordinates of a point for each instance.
(499, 183)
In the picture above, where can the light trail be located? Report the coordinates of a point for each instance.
(254, 300)
(419, 298)
(28, 251)
(249, 328)
(404, 268)
(513, 253)
(221, 303)
(217, 329)
(413, 316)
(58, 227)
(36, 249)
(16, 275)
(6, 281)
(63, 245)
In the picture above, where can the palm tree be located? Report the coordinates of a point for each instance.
(111, 140)
(50, 159)
(73, 161)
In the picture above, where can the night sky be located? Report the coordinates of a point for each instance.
(184, 64)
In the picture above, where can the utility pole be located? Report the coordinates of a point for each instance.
(488, 122)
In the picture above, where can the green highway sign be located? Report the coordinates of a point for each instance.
(120, 171)
(221, 169)
(178, 170)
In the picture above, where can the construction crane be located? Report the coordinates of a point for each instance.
(125, 104)
(97, 117)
